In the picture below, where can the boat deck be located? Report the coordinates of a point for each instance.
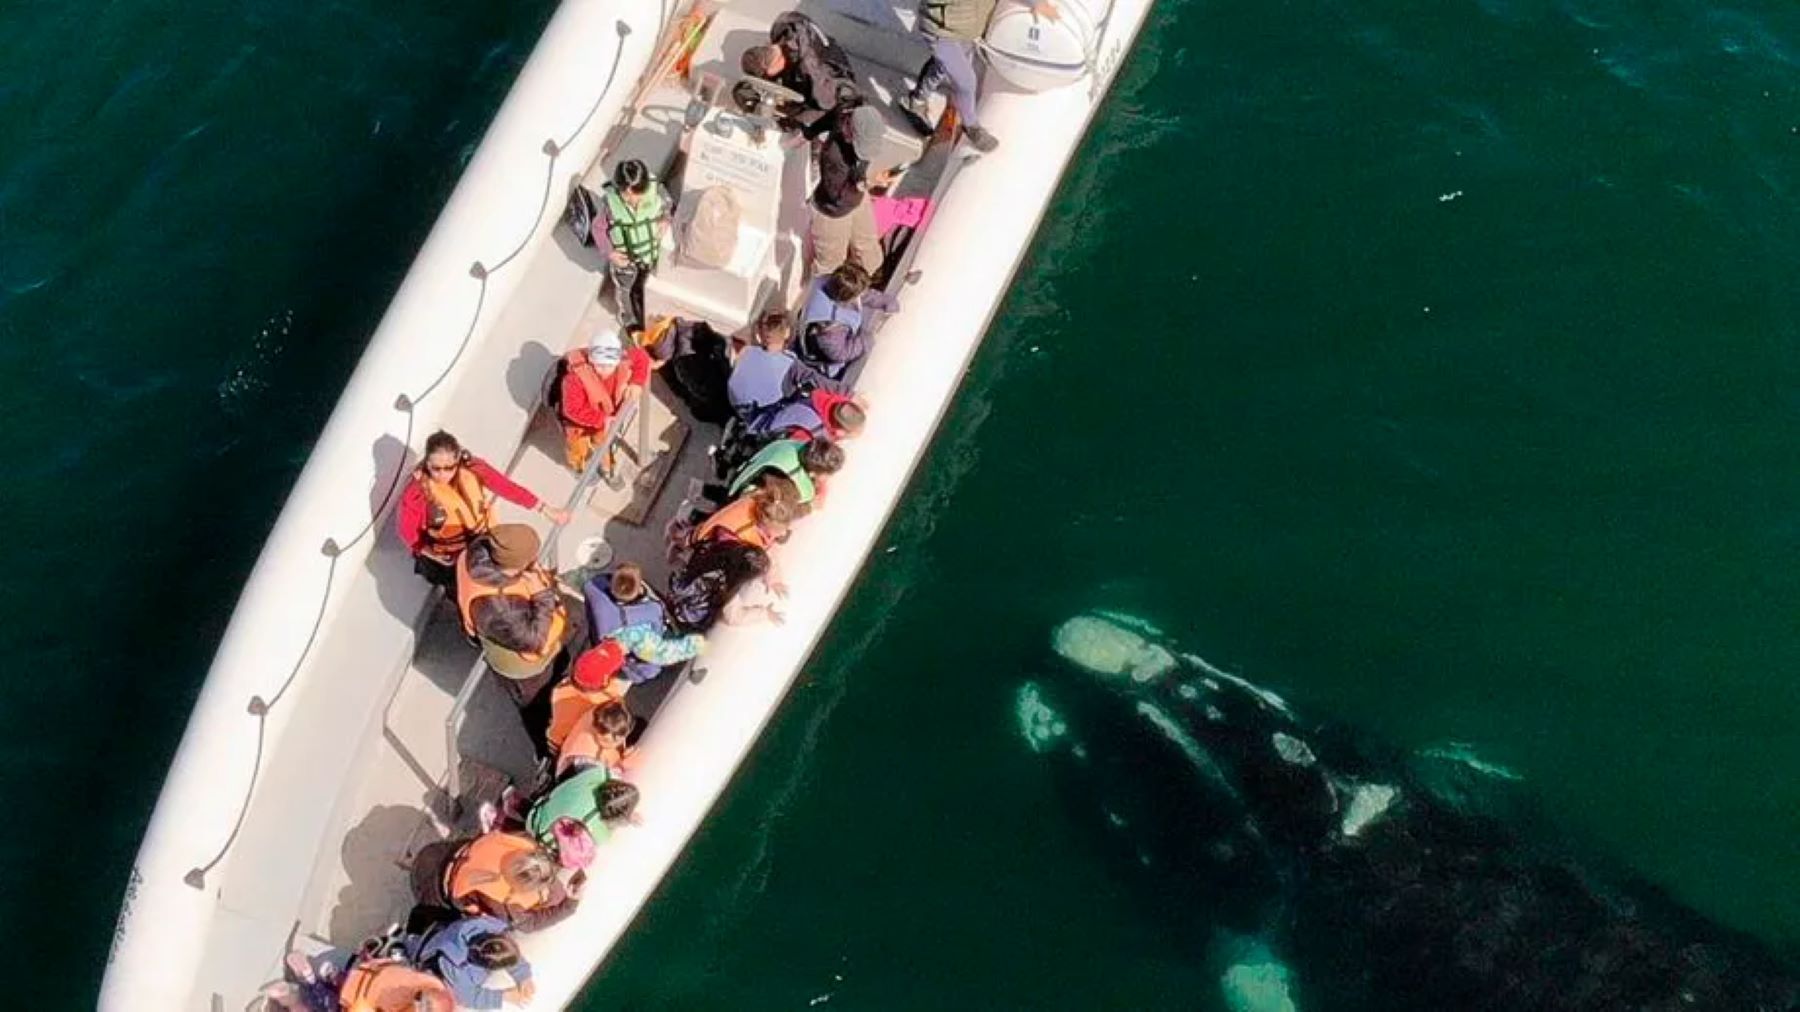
(400, 800)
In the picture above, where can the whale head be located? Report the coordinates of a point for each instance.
(1218, 738)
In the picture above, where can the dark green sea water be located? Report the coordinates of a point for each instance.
(1432, 362)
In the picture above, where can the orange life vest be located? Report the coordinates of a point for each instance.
(389, 985)
(738, 521)
(603, 392)
(569, 705)
(528, 584)
(456, 511)
(475, 880)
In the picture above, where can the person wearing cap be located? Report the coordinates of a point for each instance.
(594, 680)
(598, 382)
(843, 222)
(510, 605)
(803, 59)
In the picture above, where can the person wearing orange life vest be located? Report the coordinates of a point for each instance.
(511, 606)
(390, 985)
(445, 506)
(593, 681)
(511, 877)
(598, 382)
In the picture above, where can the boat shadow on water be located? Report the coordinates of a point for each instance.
(1319, 870)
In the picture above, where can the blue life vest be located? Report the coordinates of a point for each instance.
(606, 615)
(795, 414)
(823, 312)
(756, 380)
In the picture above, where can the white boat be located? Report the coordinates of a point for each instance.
(344, 711)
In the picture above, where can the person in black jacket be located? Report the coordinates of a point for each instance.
(802, 58)
(843, 221)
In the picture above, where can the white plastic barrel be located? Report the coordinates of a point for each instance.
(1038, 54)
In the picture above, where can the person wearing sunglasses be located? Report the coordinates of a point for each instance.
(448, 504)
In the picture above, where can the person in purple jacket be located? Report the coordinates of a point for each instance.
(835, 325)
(465, 953)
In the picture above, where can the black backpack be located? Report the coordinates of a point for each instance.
(582, 211)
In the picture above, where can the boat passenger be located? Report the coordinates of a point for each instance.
(843, 220)
(954, 28)
(768, 373)
(821, 414)
(598, 382)
(620, 604)
(510, 604)
(593, 681)
(836, 322)
(804, 464)
(463, 953)
(591, 797)
(511, 877)
(390, 985)
(446, 506)
(635, 209)
(803, 59)
(603, 739)
(695, 360)
(760, 517)
(715, 571)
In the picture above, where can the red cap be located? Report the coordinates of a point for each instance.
(596, 667)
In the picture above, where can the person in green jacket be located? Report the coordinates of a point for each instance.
(953, 27)
(635, 209)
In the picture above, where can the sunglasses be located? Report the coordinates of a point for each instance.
(441, 468)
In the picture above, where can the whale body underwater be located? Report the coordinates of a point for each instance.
(1317, 871)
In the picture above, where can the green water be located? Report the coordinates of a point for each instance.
(1432, 362)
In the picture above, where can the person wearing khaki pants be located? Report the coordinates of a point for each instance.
(843, 221)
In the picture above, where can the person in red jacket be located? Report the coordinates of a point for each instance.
(598, 382)
(445, 506)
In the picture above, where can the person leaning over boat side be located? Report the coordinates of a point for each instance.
(603, 739)
(835, 323)
(820, 414)
(510, 605)
(634, 220)
(593, 681)
(390, 985)
(953, 27)
(621, 607)
(768, 373)
(445, 506)
(715, 570)
(843, 221)
(598, 382)
(759, 517)
(464, 953)
(805, 466)
(695, 360)
(592, 798)
(510, 877)
(803, 59)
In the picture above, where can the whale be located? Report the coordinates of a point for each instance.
(1316, 869)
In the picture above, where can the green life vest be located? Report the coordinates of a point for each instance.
(782, 455)
(633, 230)
(578, 798)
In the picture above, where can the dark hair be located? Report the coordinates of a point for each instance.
(759, 61)
(440, 441)
(617, 800)
(494, 952)
(776, 510)
(630, 176)
(627, 583)
(848, 417)
(822, 456)
(612, 718)
(774, 325)
(847, 283)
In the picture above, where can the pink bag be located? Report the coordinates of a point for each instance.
(574, 845)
